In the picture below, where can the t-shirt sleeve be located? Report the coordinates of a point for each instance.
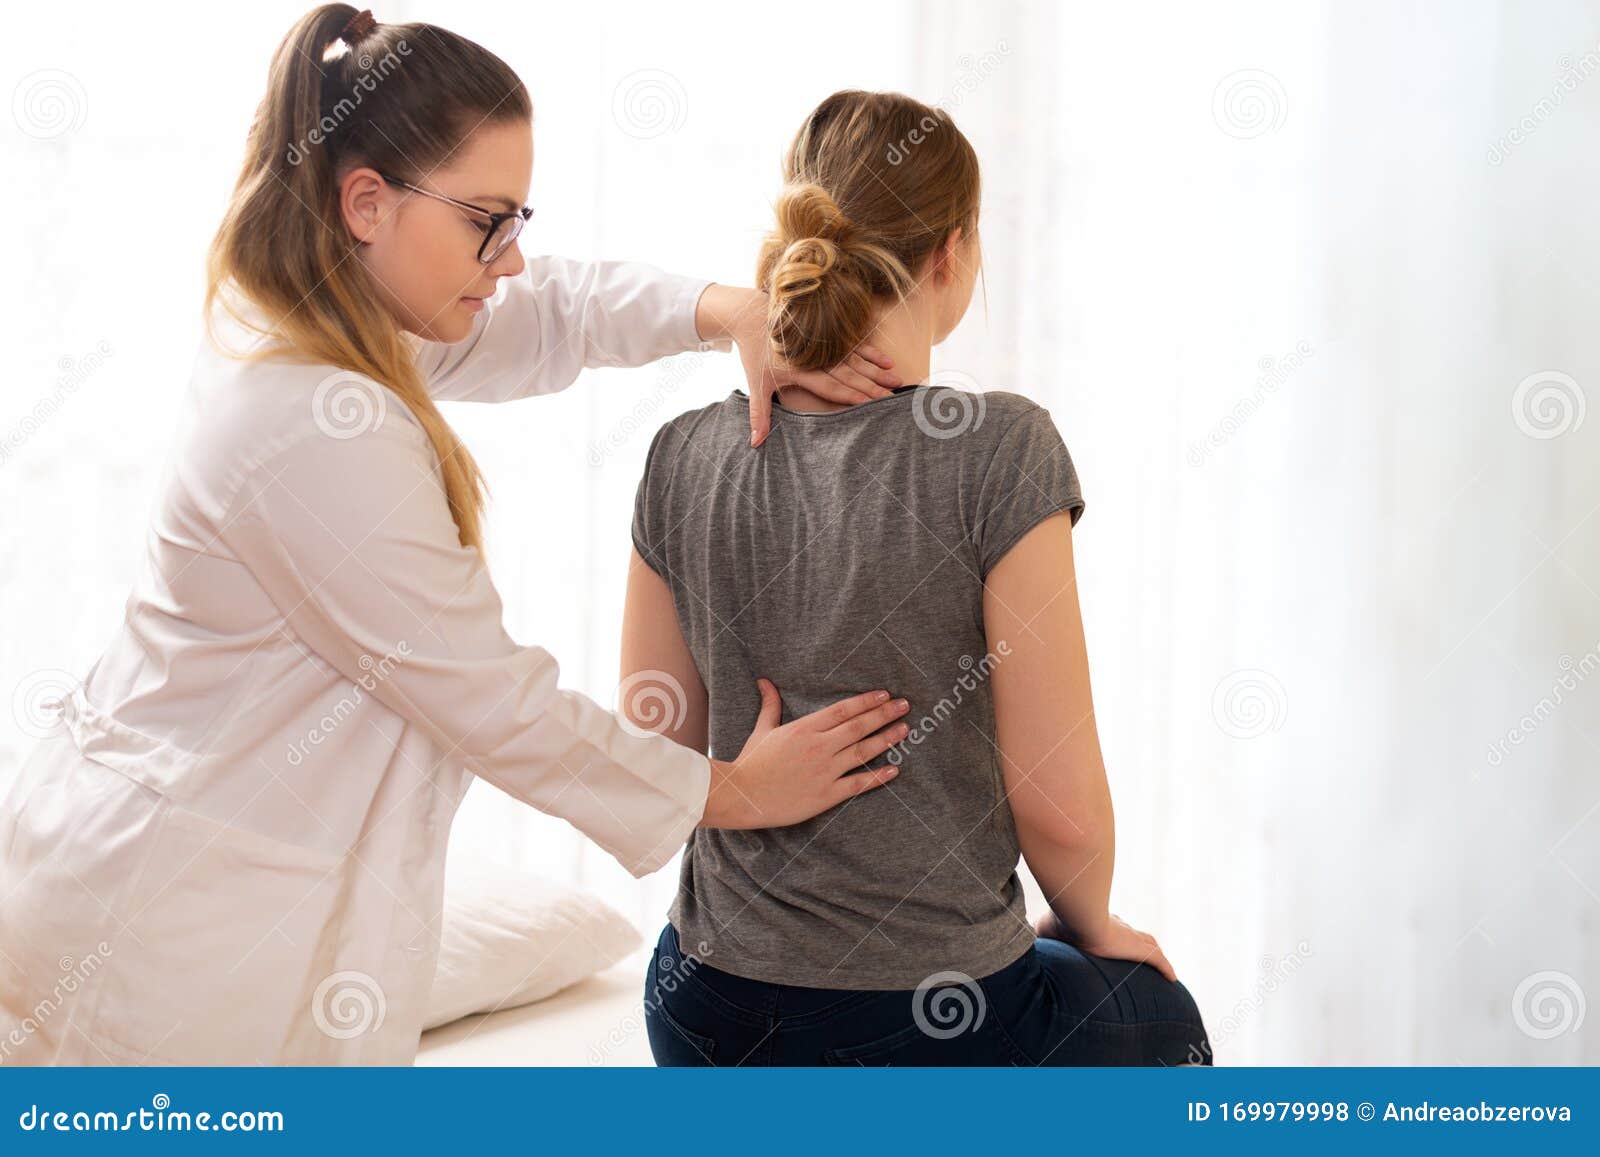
(648, 507)
(1030, 477)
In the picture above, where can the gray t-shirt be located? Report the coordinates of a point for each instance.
(848, 554)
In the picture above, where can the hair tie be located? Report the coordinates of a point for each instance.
(357, 27)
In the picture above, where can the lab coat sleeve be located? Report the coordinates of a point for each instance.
(353, 541)
(559, 316)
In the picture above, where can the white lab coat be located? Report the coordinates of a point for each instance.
(232, 849)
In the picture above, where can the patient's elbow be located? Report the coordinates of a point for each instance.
(1057, 828)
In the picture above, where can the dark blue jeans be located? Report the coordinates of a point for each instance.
(1053, 1006)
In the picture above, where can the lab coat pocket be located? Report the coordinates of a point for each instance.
(229, 932)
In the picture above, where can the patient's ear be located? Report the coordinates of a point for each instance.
(945, 257)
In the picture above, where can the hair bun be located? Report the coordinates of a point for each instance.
(358, 27)
(829, 276)
(802, 265)
(806, 210)
(813, 238)
(811, 269)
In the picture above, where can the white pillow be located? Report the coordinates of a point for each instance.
(510, 938)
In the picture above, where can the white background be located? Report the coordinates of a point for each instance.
(1277, 270)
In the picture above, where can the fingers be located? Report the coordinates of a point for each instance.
(851, 375)
(1149, 952)
(760, 415)
(1157, 959)
(837, 385)
(771, 705)
(875, 355)
(850, 786)
(861, 377)
(866, 723)
(871, 747)
(831, 716)
(874, 368)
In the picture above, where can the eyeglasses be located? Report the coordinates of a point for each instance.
(498, 235)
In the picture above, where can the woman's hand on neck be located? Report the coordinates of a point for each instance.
(904, 332)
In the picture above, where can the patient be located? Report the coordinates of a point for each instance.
(921, 541)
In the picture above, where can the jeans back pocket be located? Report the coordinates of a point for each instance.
(674, 1043)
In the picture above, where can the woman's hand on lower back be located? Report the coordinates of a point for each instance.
(1117, 940)
(790, 772)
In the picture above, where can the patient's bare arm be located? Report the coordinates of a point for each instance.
(1054, 775)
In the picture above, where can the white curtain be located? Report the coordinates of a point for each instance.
(1308, 290)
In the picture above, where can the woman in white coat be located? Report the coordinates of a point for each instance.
(237, 833)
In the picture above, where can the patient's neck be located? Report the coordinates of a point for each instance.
(905, 334)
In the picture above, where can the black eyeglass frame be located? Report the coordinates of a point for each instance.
(518, 218)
